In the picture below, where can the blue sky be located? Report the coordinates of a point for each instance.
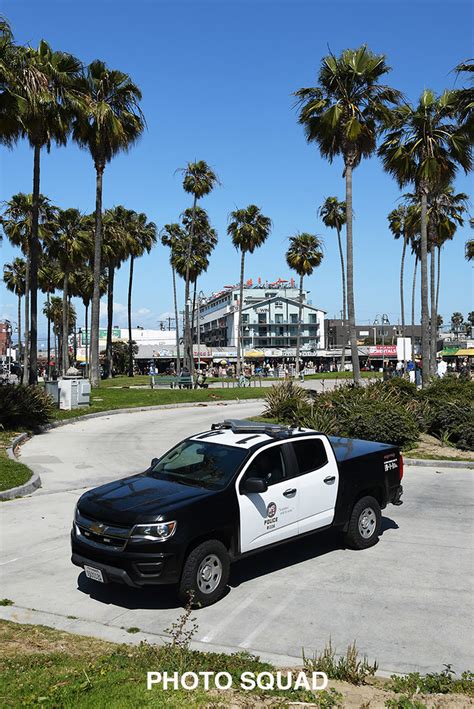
(217, 78)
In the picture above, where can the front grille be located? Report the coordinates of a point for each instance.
(102, 534)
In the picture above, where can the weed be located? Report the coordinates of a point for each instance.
(444, 682)
(133, 629)
(6, 602)
(348, 667)
(404, 702)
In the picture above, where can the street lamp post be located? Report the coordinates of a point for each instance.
(383, 321)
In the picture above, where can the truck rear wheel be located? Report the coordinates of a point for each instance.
(364, 525)
(205, 574)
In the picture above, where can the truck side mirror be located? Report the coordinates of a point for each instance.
(254, 485)
(154, 461)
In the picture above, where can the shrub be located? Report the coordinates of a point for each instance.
(24, 406)
(288, 403)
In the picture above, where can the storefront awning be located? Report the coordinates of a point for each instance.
(448, 352)
(468, 352)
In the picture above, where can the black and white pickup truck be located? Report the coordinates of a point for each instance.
(223, 494)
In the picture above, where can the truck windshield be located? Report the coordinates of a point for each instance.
(198, 463)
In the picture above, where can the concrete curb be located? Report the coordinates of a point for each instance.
(439, 463)
(115, 634)
(33, 483)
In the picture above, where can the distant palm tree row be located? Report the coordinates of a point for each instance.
(65, 262)
(49, 97)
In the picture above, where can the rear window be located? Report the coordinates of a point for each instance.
(310, 454)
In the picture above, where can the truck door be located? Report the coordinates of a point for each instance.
(317, 480)
(271, 516)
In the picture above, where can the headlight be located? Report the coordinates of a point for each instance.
(158, 532)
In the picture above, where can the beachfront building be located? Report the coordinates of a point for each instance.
(269, 317)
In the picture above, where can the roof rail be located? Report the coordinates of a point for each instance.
(274, 430)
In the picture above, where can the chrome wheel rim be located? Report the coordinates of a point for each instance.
(209, 573)
(367, 522)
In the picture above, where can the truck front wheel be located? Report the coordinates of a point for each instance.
(364, 525)
(205, 574)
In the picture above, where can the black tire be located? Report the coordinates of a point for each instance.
(205, 574)
(364, 525)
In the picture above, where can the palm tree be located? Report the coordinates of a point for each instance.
(249, 229)
(303, 256)
(425, 146)
(416, 251)
(17, 223)
(54, 312)
(457, 320)
(68, 244)
(333, 215)
(342, 116)
(45, 113)
(109, 122)
(81, 285)
(465, 97)
(11, 66)
(171, 235)
(399, 225)
(469, 251)
(114, 252)
(49, 279)
(141, 239)
(14, 276)
(199, 180)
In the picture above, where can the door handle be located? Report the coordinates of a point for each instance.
(290, 492)
(330, 479)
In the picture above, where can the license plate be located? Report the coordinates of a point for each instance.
(94, 574)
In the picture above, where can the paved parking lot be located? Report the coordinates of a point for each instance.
(407, 601)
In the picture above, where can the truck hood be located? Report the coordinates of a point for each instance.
(138, 498)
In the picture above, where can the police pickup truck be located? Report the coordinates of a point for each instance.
(223, 494)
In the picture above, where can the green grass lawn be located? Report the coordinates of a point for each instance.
(12, 473)
(109, 398)
(144, 379)
(40, 666)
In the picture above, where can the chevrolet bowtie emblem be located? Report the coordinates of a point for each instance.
(98, 528)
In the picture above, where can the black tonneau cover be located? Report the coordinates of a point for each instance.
(349, 448)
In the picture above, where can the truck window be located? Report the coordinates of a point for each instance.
(310, 455)
(269, 465)
(200, 464)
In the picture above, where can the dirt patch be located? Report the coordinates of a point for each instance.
(32, 639)
(431, 447)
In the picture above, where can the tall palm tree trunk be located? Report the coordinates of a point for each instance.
(19, 328)
(178, 356)
(34, 249)
(413, 298)
(86, 307)
(239, 362)
(95, 311)
(48, 310)
(110, 317)
(130, 346)
(188, 351)
(425, 325)
(26, 350)
(65, 326)
(194, 325)
(298, 332)
(402, 300)
(344, 298)
(434, 316)
(350, 276)
(438, 277)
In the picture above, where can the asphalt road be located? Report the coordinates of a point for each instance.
(408, 601)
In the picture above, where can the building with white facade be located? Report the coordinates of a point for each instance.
(269, 317)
